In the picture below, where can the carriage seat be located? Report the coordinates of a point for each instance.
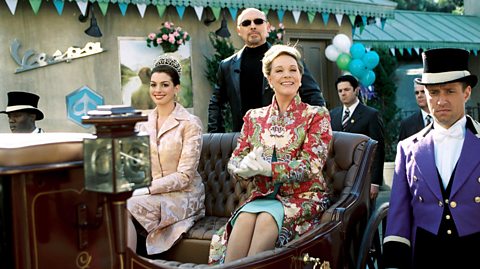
(346, 170)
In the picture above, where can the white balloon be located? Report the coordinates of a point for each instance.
(342, 42)
(331, 53)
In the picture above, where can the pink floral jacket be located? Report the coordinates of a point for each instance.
(300, 139)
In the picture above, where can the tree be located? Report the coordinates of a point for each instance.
(448, 6)
(223, 49)
(384, 100)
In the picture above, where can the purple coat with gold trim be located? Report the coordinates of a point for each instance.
(416, 200)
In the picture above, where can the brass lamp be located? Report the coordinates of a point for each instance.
(118, 160)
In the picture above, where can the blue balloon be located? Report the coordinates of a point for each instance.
(357, 50)
(371, 59)
(357, 68)
(368, 79)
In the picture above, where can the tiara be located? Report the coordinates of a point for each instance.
(168, 61)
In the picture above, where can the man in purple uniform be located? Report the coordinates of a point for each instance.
(434, 215)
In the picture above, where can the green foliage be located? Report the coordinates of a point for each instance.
(275, 35)
(448, 6)
(223, 49)
(168, 37)
(384, 101)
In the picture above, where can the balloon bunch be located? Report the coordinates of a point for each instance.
(353, 58)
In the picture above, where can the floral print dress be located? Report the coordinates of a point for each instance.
(300, 139)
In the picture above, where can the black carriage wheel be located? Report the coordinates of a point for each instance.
(370, 255)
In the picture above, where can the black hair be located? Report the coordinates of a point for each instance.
(169, 71)
(347, 78)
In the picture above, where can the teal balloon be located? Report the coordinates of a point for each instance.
(371, 59)
(368, 78)
(357, 51)
(357, 68)
(343, 61)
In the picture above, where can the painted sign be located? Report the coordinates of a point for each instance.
(80, 102)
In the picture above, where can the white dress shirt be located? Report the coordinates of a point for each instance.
(448, 145)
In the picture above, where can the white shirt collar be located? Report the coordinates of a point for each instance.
(352, 107)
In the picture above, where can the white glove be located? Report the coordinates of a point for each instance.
(141, 191)
(253, 164)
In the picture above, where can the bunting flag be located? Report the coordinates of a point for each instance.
(161, 10)
(409, 50)
(362, 27)
(296, 15)
(199, 12)
(103, 7)
(401, 51)
(216, 12)
(83, 7)
(311, 15)
(377, 22)
(475, 52)
(141, 9)
(35, 5)
(180, 11)
(233, 12)
(266, 11)
(59, 6)
(123, 8)
(280, 14)
(417, 50)
(392, 51)
(325, 17)
(12, 5)
(382, 21)
(339, 18)
(364, 20)
(352, 19)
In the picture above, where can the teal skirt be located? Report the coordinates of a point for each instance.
(266, 204)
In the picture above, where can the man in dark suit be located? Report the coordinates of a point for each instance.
(240, 81)
(355, 117)
(416, 122)
(433, 219)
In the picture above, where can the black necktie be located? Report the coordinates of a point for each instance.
(345, 118)
(428, 119)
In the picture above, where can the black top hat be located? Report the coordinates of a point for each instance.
(444, 66)
(23, 101)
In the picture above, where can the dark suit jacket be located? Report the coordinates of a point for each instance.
(411, 125)
(365, 120)
(227, 90)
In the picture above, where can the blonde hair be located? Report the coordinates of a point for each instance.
(277, 50)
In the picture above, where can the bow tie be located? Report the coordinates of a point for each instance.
(440, 134)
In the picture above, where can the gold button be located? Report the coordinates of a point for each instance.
(446, 201)
(415, 178)
(477, 199)
(440, 204)
(453, 204)
(449, 231)
(420, 198)
(447, 216)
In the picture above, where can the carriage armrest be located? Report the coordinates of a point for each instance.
(347, 169)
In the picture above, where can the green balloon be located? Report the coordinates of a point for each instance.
(343, 61)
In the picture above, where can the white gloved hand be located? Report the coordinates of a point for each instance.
(253, 164)
(141, 191)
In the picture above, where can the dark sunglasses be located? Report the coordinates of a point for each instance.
(418, 92)
(247, 23)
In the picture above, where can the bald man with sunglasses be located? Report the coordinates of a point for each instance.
(240, 82)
